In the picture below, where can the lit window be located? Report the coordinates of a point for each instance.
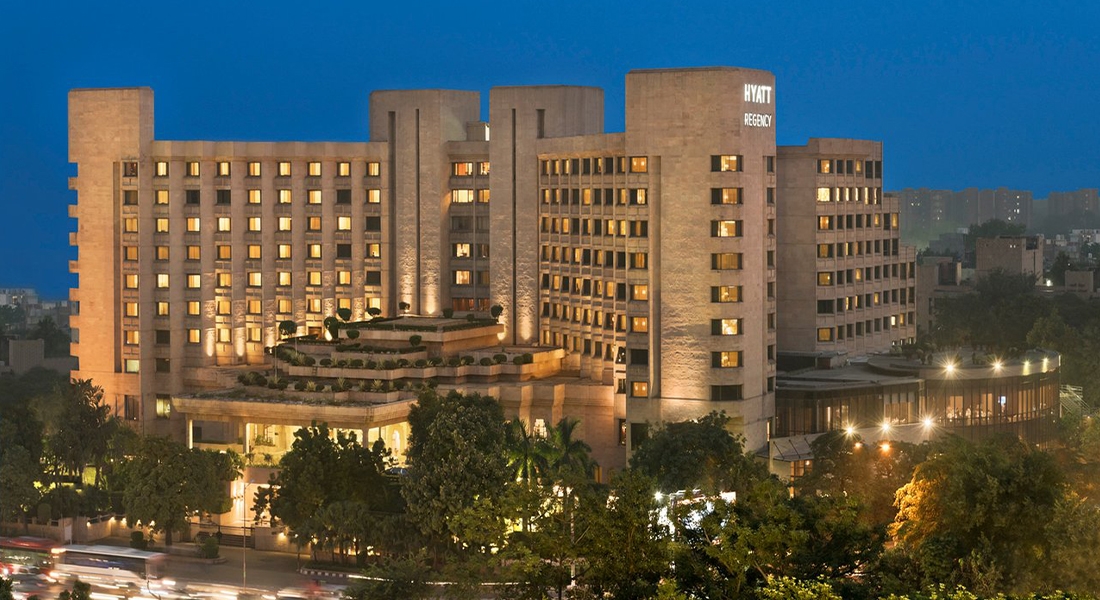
(461, 251)
(253, 169)
(313, 224)
(130, 253)
(725, 162)
(164, 406)
(284, 169)
(194, 281)
(374, 250)
(255, 334)
(343, 223)
(725, 196)
(462, 196)
(254, 251)
(824, 223)
(639, 389)
(254, 279)
(130, 225)
(639, 292)
(343, 278)
(225, 335)
(825, 165)
(483, 168)
(374, 169)
(225, 280)
(823, 194)
(725, 293)
(162, 253)
(284, 251)
(284, 279)
(194, 308)
(162, 168)
(223, 307)
(192, 169)
(162, 309)
(314, 277)
(824, 250)
(162, 197)
(343, 169)
(284, 223)
(825, 334)
(725, 327)
(462, 169)
(483, 196)
(313, 196)
(284, 306)
(130, 309)
(254, 196)
(825, 278)
(223, 168)
(461, 277)
(193, 224)
(313, 305)
(162, 280)
(639, 324)
(131, 365)
(725, 261)
(131, 337)
(314, 169)
(284, 196)
(225, 251)
(162, 226)
(193, 336)
(374, 196)
(314, 250)
(638, 164)
(253, 223)
(725, 360)
(725, 228)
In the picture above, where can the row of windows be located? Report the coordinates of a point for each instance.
(860, 221)
(255, 279)
(469, 196)
(609, 228)
(870, 326)
(871, 169)
(866, 195)
(609, 321)
(593, 257)
(594, 166)
(224, 196)
(468, 169)
(887, 247)
(465, 277)
(903, 296)
(595, 288)
(223, 168)
(595, 196)
(255, 224)
(253, 306)
(467, 250)
(858, 275)
(255, 251)
(718, 393)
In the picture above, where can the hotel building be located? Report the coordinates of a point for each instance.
(648, 256)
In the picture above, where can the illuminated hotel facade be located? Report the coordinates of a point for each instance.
(649, 256)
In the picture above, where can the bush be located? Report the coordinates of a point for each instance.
(486, 361)
(209, 548)
(500, 358)
(138, 541)
(300, 385)
(260, 380)
(402, 363)
(453, 361)
(389, 364)
(471, 317)
(496, 310)
(352, 334)
(420, 363)
(528, 358)
(343, 362)
(414, 340)
(308, 361)
(517, 359)
(436, 361)
(466, 360)
(326, 362)
(371, 364)
(448, 313)
(356, 363)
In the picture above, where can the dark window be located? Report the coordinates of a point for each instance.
(131, 408)
(163, 365)
(223, 196)
(372, 224)
(720, 393)
(639, 356)
(130, 197)
(164, 336)
(374, 278)
(622, 429)
(343, 196)
(129, 169)
(192, 196)
(343, 250)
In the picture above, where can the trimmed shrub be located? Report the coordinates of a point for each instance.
(486, 361)
(372, 364)
(453, 361)
(209, 547)
(138, 541)
(528, 358)
(402, 363)
(356, 363)
(466, 360)
(352, 334)
(420, 363)
(343, 362)
(300, 385)
(435, 361)
(500, 358)
(448, 313)
(326, 362)
(389, 364)
(517, 359)
(415, 339)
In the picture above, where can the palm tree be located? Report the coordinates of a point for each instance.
(526, 458)
(568, 455)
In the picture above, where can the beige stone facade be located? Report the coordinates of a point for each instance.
(846, 283)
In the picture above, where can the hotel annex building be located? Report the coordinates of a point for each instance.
(666, 261)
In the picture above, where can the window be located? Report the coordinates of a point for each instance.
(162, 169)
(374, 169)
(313, 196)
(194, 336)
(283, 279)
(284, 251)
(638, 260)
(461, 277)
(284, 196)
(223, 196)
(163, 337)
(483, 196)
(725, 195)
(373, 278)
(314, 169)
(129, 197)
(343, 223)
(254, 196)
(223, 307)
(314, 277)
(194, 281)
(725, 162)
(724, 393)
(225, 251)
(769, 164)
(161, 197)
(162, 309)
(374, 250)
(284, 306)
(824, 223)
(637, 196)
(343, 196)
(343, 169)
(343, 250)
(283, 169)
(223, 169)
(194, 308)
(313, 305)
(164, 405)
(314, 250)
(284, 224)
(131, 366)
(129, 169)
(313, 224)
(825, 334)
(255, 279)
(462, 169)
(130, 225)
(225, 280)
(130, 282)
(725, 261)
(192, 196)
(129, 253)
(824, 165)
(162, 280)
(254, 251)
(460, 250)
(825, 278)
(254, 334)
(224, 335)
(725, 327)
(824, 250)
(374, 196)
(224, 224)
(725, 293)
(130, 309)
(131, 405)
(253, 169)
(725, 360)
(638, 164)
(639, 292)
(343, 278)
(725, 228)
(374, 224)
(462, 196)
(162, 226)
(639, 324)
(639, 389)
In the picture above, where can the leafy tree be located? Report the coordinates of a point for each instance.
(788, 588)
(394, 579)
(457, 460)
(81, 427)
(6, 589)
(287, 328)
(344, 314)
(164, 483)
(701, 454)
(1057, 272)
(80, 591)
(19, 473)
(997, 315)
(12, 318)
(56, 339)
(961, 518)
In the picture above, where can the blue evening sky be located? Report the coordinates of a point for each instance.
(962, 94)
